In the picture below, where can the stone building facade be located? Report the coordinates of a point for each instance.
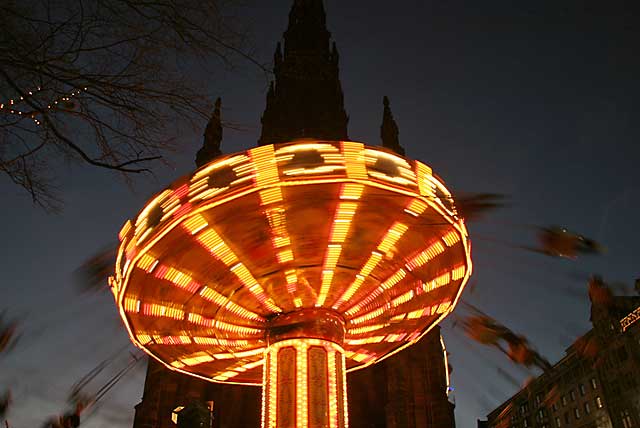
(595, 385)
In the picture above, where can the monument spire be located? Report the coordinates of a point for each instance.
(212, 138)
(306, 99)
(389, 130)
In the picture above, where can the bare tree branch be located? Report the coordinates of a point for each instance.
(104, 82)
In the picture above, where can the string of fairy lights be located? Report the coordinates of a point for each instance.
(11, 106)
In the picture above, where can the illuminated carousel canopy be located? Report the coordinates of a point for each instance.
(364, 246)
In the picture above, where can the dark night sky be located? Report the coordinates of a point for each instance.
(537, 100)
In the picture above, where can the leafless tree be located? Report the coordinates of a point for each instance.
(104, 82)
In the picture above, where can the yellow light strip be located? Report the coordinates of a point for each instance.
(207, 170)
(125, 230)
(292, 281)
(343, 375)
(265, 163)
(429, 310)
(172, 340)
(425, 185)
(424, 256)
(223, 326)
(224, 302)
(403, 298)
(371, 263)
(354, 160)
(214, 341)
(451, 238)
(384, 286)
(210, 239)
(272, 357)
(351, 191)
(346, 209)
(365, 341)
(342, 221)
(265, 391)
(333, 389)
(458, 272)
(369, 316)
(147, 263)
(416, 207)
(392, 237)
(237, 369)
(181, 280)
(301, 347)
(195, 359)
(360, 356)
(330, 261)
(443, 279)
(302, 385)
(270, 195)
(156, 310)
(131, 304)
(240, 354)
(365, 329)
(195, 224)
(267, 174)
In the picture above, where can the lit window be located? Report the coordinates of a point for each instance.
(583, 390)
(174, 414)
(599, 402)
(576, 412)
(555, 407)
(538, 399)
(587, 408)
(564, 400)
(573, 395)
(594, 385)
(526, 422)
(558, 424)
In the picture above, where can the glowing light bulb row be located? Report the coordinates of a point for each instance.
(14, 101)
(157, 310)
(202, 188)
(148, 338)
(237, 369)
(451, 238)
(209, 239)
(224, 302)
(203, 357)
(393, 235)
(437, 282)
(346, 209)
(406, 177)
(423, 257)
(331, 157)
(224, 326)
(354, 160)
(271, 198)
(416, 207)
(360, 356)
(384, 286)
(10, 106)
(333, 389)
(307, 359)
(388, 338)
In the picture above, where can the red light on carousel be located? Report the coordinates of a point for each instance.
(289, 265)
